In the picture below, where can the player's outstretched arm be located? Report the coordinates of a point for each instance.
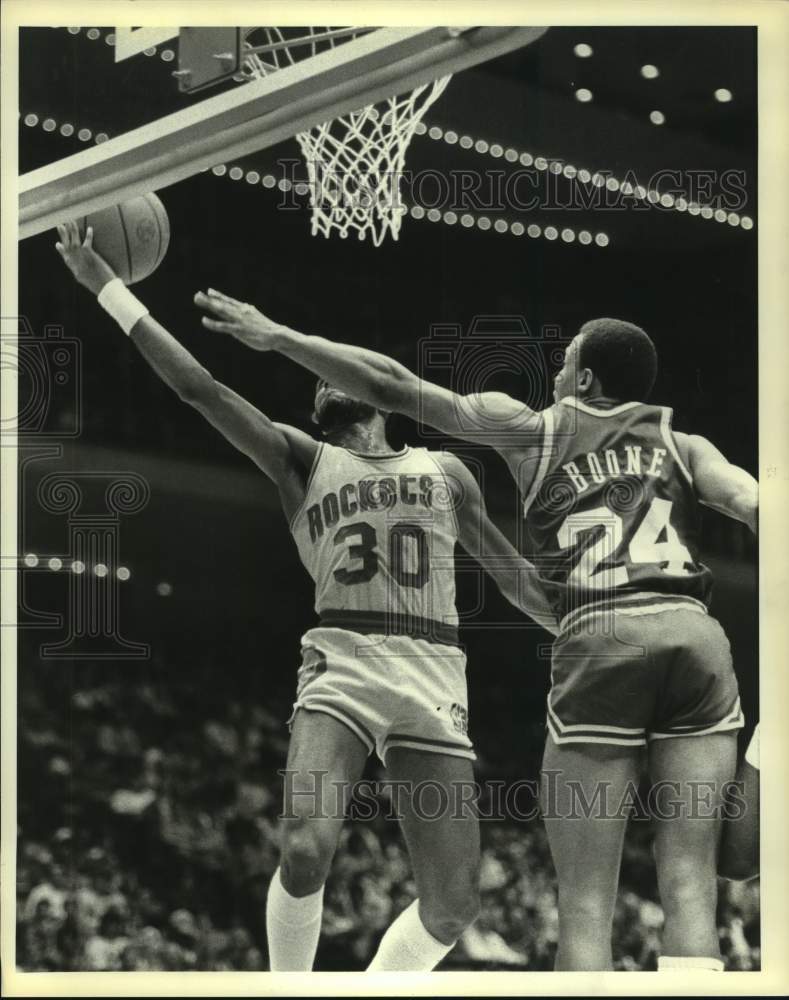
(283, 453)
(482, 539)
(491, 417)
(719, 484)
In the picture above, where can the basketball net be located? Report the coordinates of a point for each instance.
(355, 162)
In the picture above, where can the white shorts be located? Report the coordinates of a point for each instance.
(391, 691)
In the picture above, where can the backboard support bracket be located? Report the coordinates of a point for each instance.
(207, 56)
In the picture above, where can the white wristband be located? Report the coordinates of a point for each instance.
(125, 308)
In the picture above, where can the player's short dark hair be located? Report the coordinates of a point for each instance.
(621, 355)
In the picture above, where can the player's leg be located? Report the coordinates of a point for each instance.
(601, 695)
(698, 696)
(584, 788)
(444, 852)
(738, 859)
(696, 770)
(325, 758)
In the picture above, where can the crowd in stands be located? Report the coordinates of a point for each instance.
(148, 835)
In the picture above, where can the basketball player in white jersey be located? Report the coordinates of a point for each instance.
(383, 671)
(611, 499)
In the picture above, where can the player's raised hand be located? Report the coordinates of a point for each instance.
(240, 319)
(85, 264)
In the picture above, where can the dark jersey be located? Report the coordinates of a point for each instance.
(612, 509)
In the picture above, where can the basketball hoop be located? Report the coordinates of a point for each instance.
(354, 162)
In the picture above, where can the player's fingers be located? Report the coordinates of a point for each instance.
(60, 249)
(232, 305)
(202, 300)
(88, 238)
(213, 293)
(74, 238)
(217, 325)
(216, 306)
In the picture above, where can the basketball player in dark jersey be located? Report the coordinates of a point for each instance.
(383, 670)
(611, 497)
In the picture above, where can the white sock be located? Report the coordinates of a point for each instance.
(667, 962)
(293, 926)
(408, 946)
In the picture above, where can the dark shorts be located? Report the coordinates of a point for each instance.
(629, 675)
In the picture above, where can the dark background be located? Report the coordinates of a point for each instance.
(212, 530)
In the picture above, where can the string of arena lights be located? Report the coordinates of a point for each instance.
(571, 172)
(54, 563)
(481, 146)
(466, 220)
(34, 561)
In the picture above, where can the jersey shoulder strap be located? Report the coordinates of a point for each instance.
(550, 424)
(667, 432)
(320, 451)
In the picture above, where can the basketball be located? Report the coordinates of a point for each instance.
(132, 237)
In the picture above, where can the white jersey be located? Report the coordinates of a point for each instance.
(377, 534)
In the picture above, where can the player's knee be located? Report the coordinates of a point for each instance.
(307, 852)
